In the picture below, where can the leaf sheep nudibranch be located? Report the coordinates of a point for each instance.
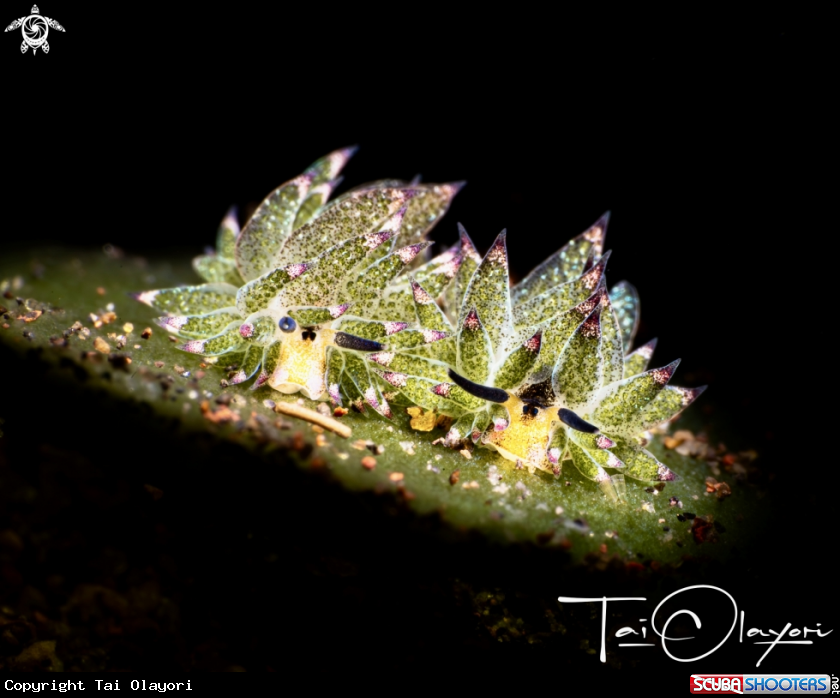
(308, 286)
(538, 372)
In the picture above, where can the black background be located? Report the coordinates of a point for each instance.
(707, 140)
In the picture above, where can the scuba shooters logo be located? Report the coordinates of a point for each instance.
(740, 684)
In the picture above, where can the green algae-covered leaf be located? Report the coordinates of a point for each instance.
(76, 313)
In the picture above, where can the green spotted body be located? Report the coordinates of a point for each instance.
(518, 364)
(577, 373)
(475, 348)
(262, 292)
(200, 326)
(278, 291)
(625, 401)
(489, 295)
(573, 391)
(190, 300)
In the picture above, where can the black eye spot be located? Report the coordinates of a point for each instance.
(530, 410)
(307, 334)
(287, 324)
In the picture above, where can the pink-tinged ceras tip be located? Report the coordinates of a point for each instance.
(500, 423)
(442, 389)
(239, 377)
(453, 438)
(296, 269)
(421, 297)
(467, 246)
(231, 221)
(661, 376)
(384, 408)
(246, 330)
(497, 254)
(597, 233)
(534, 343)
(173, 322)
(147, 297)
(371, 398)
(471, 322)
(604, 442)
(383, 358)
(337, 159)
(646, 350)
(689, 395)
(430, 336)
(587, 306)
(591, 327)
(389, 229)
(449, 190)
(392, 225)
(448, 255)
(374, 240)
(336, 311)
(592, 279)
(613, 461)
(260, 380)
(451, 266)
(394, 327)
(334, 393)
(196, 346)
(407, 254)
(398, 380)
(665, 474)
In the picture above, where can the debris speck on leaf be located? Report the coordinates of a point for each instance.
(31, 316)
(422, 420)
(703, 530)
(721, 489)
(295, 410)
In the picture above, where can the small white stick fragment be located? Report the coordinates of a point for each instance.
(304, 413)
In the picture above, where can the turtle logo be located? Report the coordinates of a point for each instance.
(35, 28)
